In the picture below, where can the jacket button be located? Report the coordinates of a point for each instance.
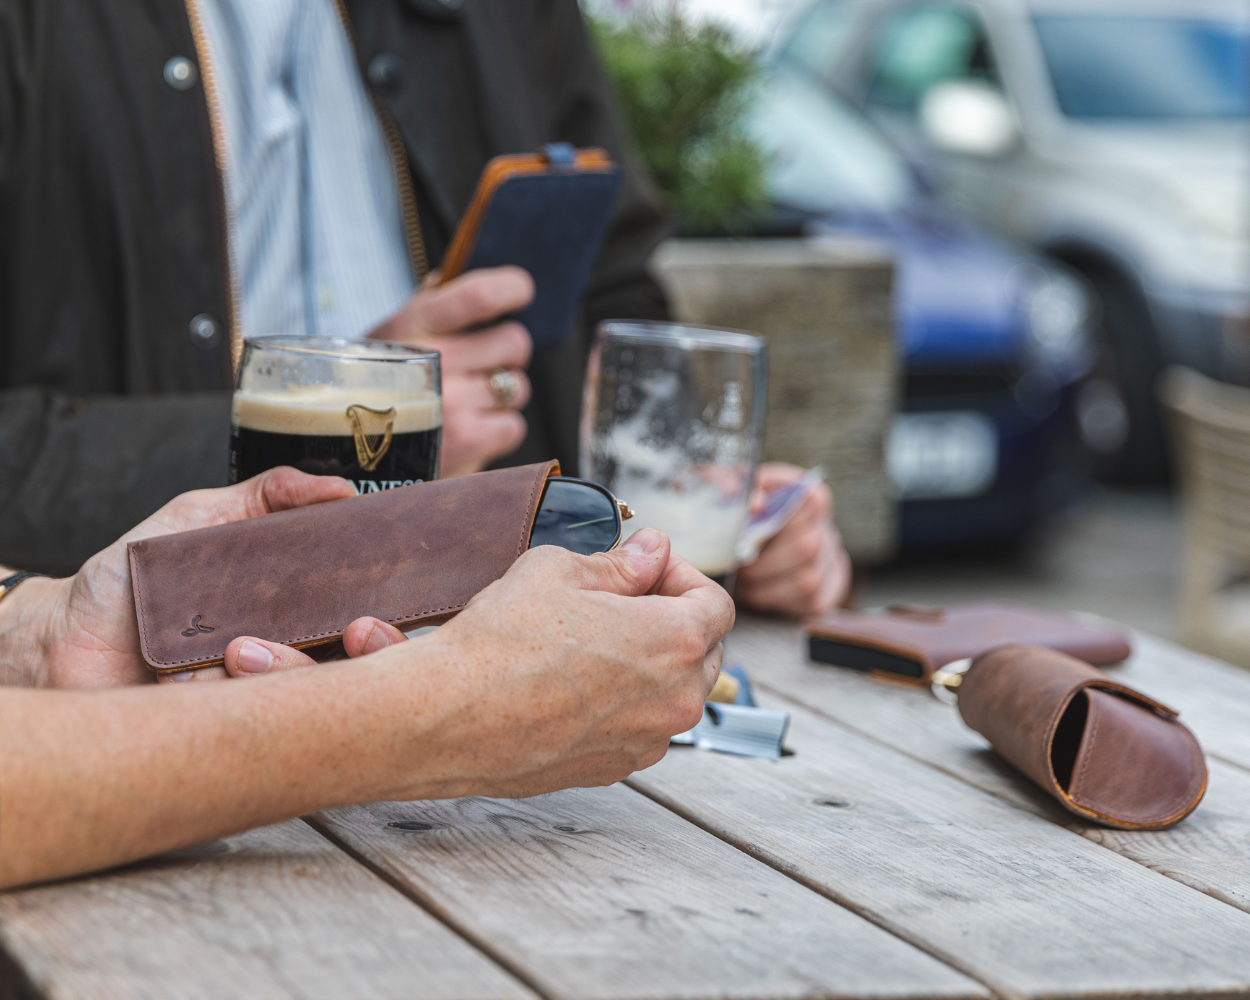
(205, 332)
(386, 71)
(180, 73)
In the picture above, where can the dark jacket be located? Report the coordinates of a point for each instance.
(115, 297)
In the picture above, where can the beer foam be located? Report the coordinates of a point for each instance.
(322, 410)
(701, 526)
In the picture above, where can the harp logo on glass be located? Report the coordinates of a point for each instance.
(373, 430)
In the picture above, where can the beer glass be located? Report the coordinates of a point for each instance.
(368, 410)
(672, 423)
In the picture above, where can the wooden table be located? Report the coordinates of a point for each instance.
(891, 856)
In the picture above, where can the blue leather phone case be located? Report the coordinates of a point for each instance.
(552, 224)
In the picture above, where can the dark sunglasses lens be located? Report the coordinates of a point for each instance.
(576, 516)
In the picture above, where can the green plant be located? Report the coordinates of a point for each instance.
(683, 90)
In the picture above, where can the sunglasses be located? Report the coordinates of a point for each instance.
(578, 515)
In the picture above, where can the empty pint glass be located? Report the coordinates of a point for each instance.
(369, 411)
(672, 423)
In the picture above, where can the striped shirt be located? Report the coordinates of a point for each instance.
(316, 232)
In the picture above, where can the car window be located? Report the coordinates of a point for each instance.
(924, 45)
(818, 38)
(1144, 67)
(823, 157)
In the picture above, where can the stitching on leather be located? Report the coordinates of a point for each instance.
(520, 548)
(1093, 735)
(1145, 823)
(1151, 824)
(335, 632)
(137, 580)
(411, 616)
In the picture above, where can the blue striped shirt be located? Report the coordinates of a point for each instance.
(316, 232)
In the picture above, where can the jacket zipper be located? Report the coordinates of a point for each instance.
(417, 256)
(212, 99)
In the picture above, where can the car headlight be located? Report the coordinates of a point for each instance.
(1058, 315)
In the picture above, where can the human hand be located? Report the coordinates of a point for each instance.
(460, 320)
(87, 634)
(803, 569)
(570, 670)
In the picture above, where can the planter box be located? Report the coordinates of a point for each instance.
(824, 306)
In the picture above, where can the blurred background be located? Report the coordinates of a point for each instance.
(1053, 195)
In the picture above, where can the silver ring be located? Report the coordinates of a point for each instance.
(505, 387)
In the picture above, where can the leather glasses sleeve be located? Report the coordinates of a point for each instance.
(410, 556)
(1108, 753)
(909, 642)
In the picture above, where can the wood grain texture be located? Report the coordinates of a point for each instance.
(824, 307)
(277, 912)
(1029, 908)
(1213, 697)
(1209, 851)
(601, 894)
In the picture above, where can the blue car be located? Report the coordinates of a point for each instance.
(995, 342)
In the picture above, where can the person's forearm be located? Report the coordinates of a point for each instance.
(94, 779)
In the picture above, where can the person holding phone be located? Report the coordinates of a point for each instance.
(243, 167)
(236, 167)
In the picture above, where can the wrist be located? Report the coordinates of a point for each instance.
(418, 696)
(26, 616)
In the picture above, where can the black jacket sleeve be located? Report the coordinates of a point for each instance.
(77, 473)
(588, 116)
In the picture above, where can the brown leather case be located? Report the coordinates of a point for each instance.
(409, 556)
(908, 643)
(1107, 752)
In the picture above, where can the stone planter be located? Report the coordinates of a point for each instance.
(824, 306)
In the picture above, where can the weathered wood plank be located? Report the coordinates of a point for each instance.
(1029, 908)
(601, 893)
(1212, 696)
(1210, 851)
(277, 912)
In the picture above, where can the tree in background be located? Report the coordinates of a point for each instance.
(683, 89)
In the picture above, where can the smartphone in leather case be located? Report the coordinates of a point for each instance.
(908, 642)
(547, 212)
(411, 556)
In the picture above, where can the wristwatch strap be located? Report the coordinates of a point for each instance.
(10, 582)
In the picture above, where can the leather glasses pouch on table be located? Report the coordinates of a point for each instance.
(410, 556)
(547, 212)
(908, 643)
(1108, 753)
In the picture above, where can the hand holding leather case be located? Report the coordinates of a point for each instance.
(1108, 753)
(410, 556)
(909, 643)
(547, 212)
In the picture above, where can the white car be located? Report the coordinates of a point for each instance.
(1112, 135)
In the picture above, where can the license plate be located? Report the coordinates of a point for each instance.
(934, 456)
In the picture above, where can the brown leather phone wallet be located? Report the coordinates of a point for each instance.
(908, 643)
(410, 556)
(1108, 753)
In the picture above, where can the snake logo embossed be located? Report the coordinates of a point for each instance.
(372, 430)
(196, 628)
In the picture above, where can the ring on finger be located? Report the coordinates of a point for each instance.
(505, 386)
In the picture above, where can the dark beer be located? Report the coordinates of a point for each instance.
(375, 443)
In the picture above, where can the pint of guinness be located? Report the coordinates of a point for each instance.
(368, 411)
